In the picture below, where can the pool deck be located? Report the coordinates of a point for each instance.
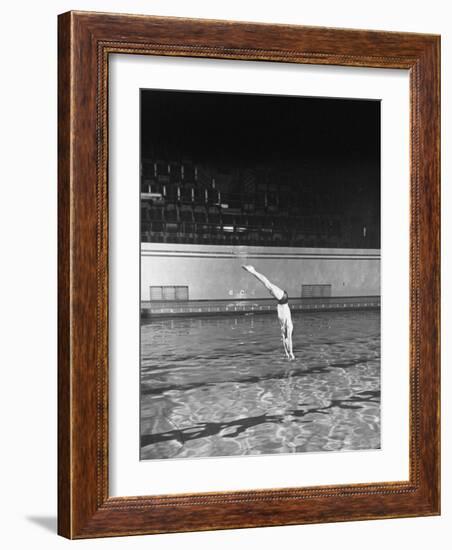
(195, 308)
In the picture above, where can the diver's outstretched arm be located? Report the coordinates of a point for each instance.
(285, 346)
(274, 290)
(289, 342)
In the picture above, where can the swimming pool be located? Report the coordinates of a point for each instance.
(221, 386)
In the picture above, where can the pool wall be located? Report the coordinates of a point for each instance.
(216, 283)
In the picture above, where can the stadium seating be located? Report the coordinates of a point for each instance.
(185, 203)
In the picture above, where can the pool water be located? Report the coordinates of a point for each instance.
(222, 386)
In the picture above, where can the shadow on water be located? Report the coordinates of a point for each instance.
(214, 428)
(303, 371)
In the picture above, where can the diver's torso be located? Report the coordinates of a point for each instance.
(284, 313)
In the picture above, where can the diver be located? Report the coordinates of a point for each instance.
(284, 315)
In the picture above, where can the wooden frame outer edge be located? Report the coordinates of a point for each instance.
(85, 510)
(64, 264)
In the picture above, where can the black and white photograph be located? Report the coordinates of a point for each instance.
(260, 274)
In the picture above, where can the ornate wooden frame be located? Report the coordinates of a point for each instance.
(85, 42)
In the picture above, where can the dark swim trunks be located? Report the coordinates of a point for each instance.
(284, 300)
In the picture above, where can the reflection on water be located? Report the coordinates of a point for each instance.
(221, 386)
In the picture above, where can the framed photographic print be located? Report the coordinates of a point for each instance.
(248, 275)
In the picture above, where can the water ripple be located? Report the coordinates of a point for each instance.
(222, 386)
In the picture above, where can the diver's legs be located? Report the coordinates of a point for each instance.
(277, 292)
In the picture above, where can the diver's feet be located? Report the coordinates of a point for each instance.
(249, 268)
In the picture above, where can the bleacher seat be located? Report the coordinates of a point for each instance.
(200, 215)
(171, 213)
